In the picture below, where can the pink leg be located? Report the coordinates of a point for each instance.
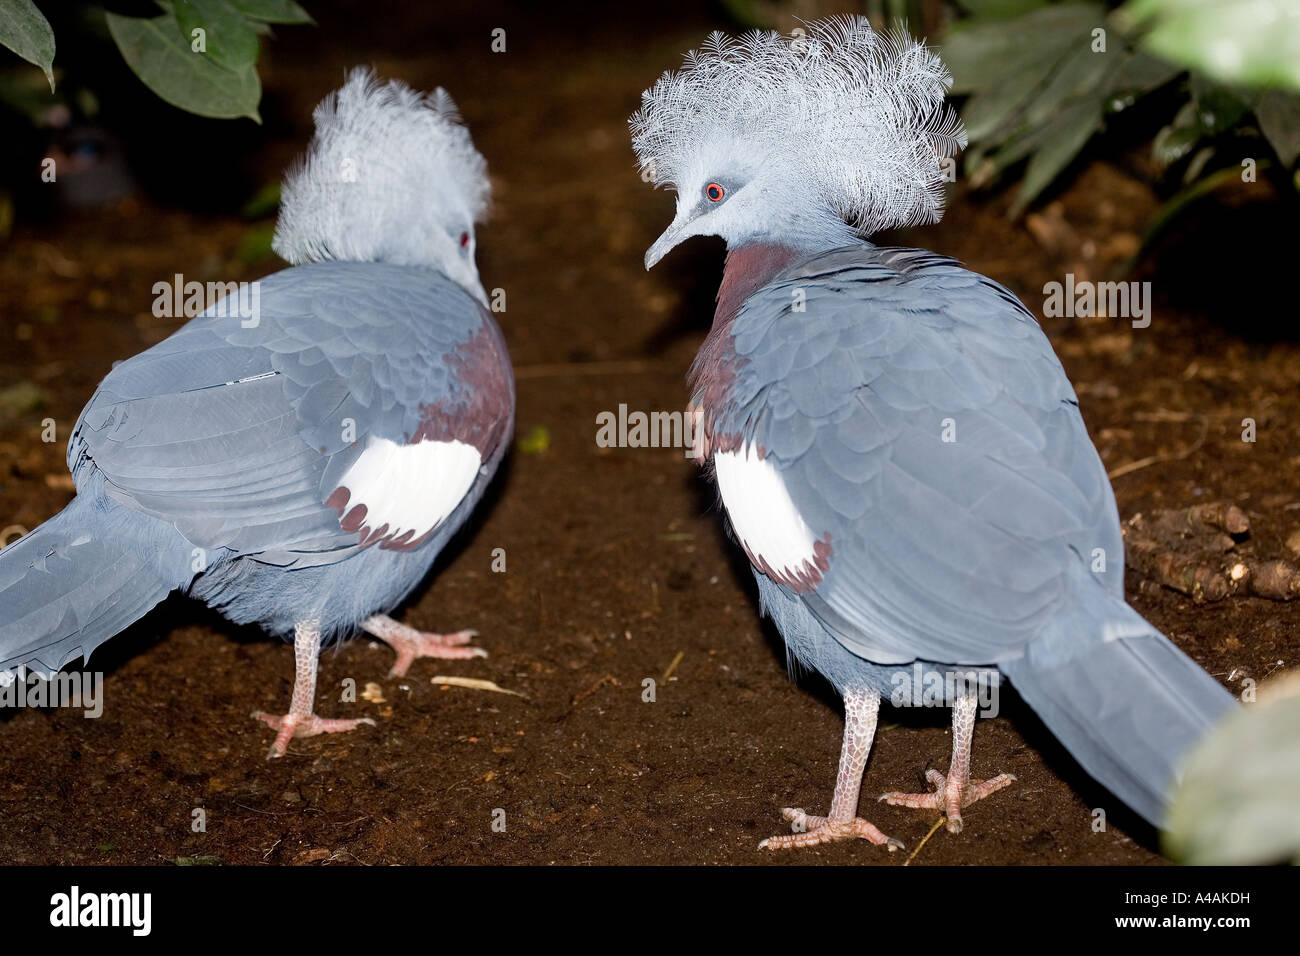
(860, 710)
(957, 789)
(410, 643)
(301, 721)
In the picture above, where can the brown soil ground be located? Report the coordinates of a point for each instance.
(617, 561)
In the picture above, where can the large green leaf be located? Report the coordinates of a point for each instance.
(1082, 73)
(983, 169)
(980, 53)
(1254, 42)
(24, 29)
(160, 56)
(1239, 799)
(229, 39)
(991, 112)
(995, 109)
(1064, 137)
(1021, 88)
(273, 11)
(1278, 114)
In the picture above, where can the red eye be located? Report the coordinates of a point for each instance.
(714, 192)
(464, 240)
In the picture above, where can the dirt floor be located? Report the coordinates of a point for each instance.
(618, 568)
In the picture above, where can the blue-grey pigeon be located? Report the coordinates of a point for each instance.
(298, 454)
(895, 444)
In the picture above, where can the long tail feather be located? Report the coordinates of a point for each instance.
(83, 576)
(1127, 703)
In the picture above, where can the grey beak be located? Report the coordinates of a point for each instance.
(665, 243)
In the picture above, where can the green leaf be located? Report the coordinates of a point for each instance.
(159, 55)
(264, 202)
(229, 39)
(1239, 798)
(1038, 89)
(1213, 109)
(1082, 74)
(999, 9)
(256, 245)
(1137, 74)
(981, 53)
(1065, 136)
(994, 109)
(24, 29)
(1252, 42)
(1179, 138)
(1278, 114)
(1218, 108)
(273, 11)
(1016, 148)
(25, 92)
(990, 112)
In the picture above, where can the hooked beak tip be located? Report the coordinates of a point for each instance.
(663, 245)
(656, 252)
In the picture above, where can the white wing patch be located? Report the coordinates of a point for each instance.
(400, 493)
(765, 519)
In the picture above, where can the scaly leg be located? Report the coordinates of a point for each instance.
(301, 721)
(957, 789)
(410, 643)
(860, 710)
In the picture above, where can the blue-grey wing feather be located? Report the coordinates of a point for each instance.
(941, 550)
(234, 434)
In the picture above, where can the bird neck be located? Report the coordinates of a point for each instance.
(749, 267)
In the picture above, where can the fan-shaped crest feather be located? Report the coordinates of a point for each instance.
(386, 166)
(856, 116)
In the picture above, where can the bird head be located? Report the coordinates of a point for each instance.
(391, 175)
(809, 140)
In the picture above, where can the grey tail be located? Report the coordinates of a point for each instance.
(83, 576)
(1125, 701)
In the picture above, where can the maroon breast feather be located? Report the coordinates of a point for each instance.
(713, 373)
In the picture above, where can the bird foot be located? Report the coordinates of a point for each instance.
(428, 644)
(950, 795)
(410, 643)
(814, 831)
(309, 725)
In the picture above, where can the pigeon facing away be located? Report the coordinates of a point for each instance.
(895, 443)
(302, 464)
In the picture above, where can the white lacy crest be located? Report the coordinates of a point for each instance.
(388, 172)
(857, 116)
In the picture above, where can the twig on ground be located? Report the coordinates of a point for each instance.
(924, 840)
(474, 683)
